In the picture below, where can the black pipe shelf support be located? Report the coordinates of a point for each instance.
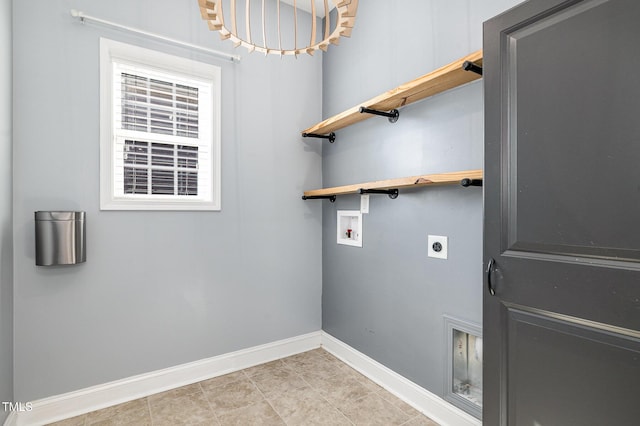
(470, 66)
(393, 115)
(331, 136)
(470, 182)
(392, 193)
(331, 198)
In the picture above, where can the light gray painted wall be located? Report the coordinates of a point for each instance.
(6, 226)
(388, 298)
(158, 288)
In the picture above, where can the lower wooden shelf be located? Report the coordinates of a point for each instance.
(405, 182)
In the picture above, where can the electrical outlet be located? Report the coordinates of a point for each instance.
(364, 203)
(438, 246)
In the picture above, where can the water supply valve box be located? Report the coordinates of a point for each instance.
(349, 228)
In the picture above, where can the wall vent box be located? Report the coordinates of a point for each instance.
(60, 238)
(463, 381)
(350, 228)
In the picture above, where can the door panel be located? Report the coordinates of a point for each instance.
(581, 360)
(561, 192)
(562, 208)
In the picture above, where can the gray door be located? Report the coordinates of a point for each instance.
(562, 214)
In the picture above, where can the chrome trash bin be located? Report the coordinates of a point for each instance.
(60, 238)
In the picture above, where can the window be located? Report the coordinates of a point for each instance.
(160, 131)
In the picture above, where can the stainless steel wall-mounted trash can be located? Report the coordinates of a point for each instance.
(60, 238)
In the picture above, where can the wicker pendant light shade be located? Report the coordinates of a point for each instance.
(257, 40)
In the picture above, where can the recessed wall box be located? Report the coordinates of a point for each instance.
(60, 238)
(350, 228)
(463, 380)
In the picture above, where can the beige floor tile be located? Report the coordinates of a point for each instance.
(276, 365)
(232, 396)
(406, 408)
(341, 389)
(312, 360)
(330, 359)
(278, 381)
(307, 407)
(374, 387)
(133, 412)
(303, 355)
(314, 366)
(74, 421)
(222, 380)
(181, 410)
(176, 393)
(417, 418)
(374, 410)
(321, 352)
(119, 421)
(310, 388)
(260, 413)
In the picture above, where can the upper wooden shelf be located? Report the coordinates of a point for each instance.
(406, 182)
(440, 80)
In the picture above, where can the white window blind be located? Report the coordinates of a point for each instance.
(159, 168)
(152, 105)
(162, 133)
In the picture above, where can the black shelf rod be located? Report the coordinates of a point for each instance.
(331, 136)
(392, 193)
(466, 182)
(393, 115)
(331, 198)
(470, 66)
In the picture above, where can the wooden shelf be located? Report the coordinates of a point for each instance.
(406, 182)
(440, 80)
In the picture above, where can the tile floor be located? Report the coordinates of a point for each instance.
(311, 388)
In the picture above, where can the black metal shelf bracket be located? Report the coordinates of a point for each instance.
(393, 115)
(392, 193)
(470, 66)
(331, 198)
(331, 136)
(466, 182)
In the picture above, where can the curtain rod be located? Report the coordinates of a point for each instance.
(83, 17)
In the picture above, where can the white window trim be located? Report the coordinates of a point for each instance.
(149, 58)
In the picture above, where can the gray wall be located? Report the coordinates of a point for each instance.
(6, 234)
(158, 288)
(388, 298)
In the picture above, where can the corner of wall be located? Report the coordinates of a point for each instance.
(6, 207)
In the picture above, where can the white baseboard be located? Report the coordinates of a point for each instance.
(79, 402)
(419, 398)
(11, 420)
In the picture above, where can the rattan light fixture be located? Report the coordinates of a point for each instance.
(212, 11)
